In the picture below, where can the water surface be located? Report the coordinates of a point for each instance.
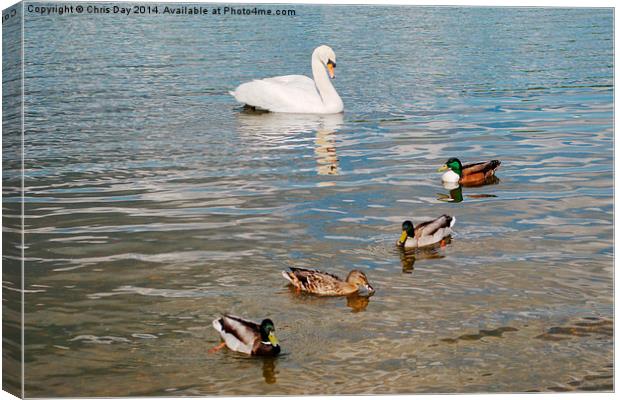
(154, 203)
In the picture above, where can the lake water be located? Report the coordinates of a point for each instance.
(153, 203)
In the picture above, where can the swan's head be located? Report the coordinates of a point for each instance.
(326, 55)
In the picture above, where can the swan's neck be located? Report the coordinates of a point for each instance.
(328, 93)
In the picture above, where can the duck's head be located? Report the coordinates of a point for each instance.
(267, 333)
(408, 231)
(327, 56)
(358, 278)
(453, 164)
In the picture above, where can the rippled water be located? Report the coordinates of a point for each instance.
(153, 203)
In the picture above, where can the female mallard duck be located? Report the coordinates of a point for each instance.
(247, 336)
(325, 284)
(470, 174)
(426, 233)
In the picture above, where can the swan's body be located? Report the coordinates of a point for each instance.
(426, 233)
(296, 93)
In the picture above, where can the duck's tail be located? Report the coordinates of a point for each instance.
(217, 324)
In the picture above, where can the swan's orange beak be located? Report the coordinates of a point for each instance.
(330, 69)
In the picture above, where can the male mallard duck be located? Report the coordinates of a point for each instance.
(426, 233)
(470, 174)
(325, 284)
(247, 336)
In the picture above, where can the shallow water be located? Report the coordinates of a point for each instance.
(154, 203)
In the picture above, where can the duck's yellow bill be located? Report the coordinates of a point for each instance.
(330, 69)
(443, 168)
(273, 339)
(403, 238)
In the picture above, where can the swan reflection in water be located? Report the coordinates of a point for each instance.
(409, 257)
(455, 190)
(282, 130)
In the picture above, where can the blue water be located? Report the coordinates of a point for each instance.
(154, 203)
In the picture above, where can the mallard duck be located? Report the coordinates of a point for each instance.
(325, 284)
(426, 233)
(247, 336)
(470, 174)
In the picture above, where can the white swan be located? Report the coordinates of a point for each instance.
(296, 93)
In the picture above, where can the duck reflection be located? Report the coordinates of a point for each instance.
(455, 190)
(409, 257)
(356, 302)
(269, 370)
(455, 194)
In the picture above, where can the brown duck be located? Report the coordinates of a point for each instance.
(469, 174)
(325, 284)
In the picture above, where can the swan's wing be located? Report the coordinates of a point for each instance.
(290, 93)
(293, 81)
